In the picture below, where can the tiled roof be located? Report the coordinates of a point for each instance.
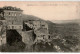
(11, 8)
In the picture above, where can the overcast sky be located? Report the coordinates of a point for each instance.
(48, 10)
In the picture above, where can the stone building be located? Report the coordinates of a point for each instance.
(42, 34)
(40, 29)
(13, 17)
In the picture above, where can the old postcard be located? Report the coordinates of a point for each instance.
(39, 26)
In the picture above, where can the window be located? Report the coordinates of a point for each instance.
(49, 37)
(20, 14)
(12, 27)
(43, 36)
(12, 22)
(9, 13)
(8, 8)
(20, 27)
(15, 20)
(12, 14)
(43, 25)
(15, 14)
(8, 27)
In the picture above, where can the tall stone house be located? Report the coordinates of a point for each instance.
(13, 17)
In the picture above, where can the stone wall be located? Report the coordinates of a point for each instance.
(28, 37)
(3, 39)
(3, 32)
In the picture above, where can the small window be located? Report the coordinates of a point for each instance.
(15, 14)
(8, 8)
(43, 37)
(20, 14)
(20, 27)
(12, 22)
(12, 14)
(43, 25)
(12, 27)
(9, 13)
(8, 27)
(49, 37)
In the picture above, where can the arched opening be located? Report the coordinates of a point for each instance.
(13, 36)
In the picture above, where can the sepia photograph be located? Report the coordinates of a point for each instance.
(40, 26)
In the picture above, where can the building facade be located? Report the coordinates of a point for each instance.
(13, 16)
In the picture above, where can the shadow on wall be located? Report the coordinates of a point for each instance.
(26, 27)
(13, 36)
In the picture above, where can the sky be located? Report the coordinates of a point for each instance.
(47, 10)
